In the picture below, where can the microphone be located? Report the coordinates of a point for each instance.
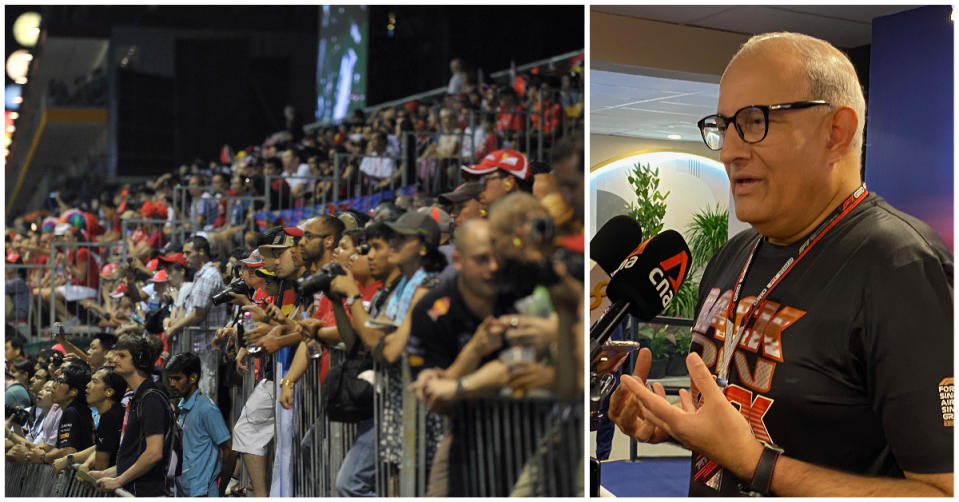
(611, 244)
(643, 284)
(614, 241)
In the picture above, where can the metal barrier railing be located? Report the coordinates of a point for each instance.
(96, 261)
(319, 445)
(31, 324)
(517, 447)
(40, 480)
(127, 223)
(499, 76)
(431, 172)
(403, 456)
(355, 184)
(305, 200)
(182, 212)
(196, 339)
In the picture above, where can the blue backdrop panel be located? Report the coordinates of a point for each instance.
(909, 151)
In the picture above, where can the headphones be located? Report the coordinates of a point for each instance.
(141, 358)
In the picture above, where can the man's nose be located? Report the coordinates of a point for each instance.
(733, 146)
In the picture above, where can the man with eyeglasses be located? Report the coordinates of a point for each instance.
(321, 234)
(821, 359)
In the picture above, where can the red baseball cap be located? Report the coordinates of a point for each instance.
(510, 161)
(175, 258)
(120, 291)
(159, 276)
(152, 264)
(108, 269)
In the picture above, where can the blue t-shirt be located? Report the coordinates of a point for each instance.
(203, 432)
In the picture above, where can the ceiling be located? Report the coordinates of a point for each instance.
(844, 26)
(623, 103)
(649, 107)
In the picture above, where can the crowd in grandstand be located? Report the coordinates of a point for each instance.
(424, 242)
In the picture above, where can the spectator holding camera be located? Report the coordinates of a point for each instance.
(42, 427)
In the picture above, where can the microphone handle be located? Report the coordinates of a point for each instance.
(605, 326)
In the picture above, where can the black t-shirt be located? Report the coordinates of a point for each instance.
(76, 427)
(849, 365)
(442, 326)
(153, 418)
(108, 432)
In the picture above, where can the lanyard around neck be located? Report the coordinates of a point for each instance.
(733, 338)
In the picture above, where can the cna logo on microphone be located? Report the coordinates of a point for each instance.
(666, 278)
(658, 277)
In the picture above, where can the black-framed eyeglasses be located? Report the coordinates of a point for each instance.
(751, 122)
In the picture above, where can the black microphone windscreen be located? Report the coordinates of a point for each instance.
(616, 239)
(649, 277)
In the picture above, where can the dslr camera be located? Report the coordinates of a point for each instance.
(319, 281)
(237, 286)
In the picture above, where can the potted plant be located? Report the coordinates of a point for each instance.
(661, 343)
(677, 360)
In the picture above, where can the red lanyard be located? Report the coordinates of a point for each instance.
(126, 415)
(732, 339)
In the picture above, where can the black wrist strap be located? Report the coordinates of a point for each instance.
(763, 476)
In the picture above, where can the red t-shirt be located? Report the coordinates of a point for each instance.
(157, 241)
(84, 258)
(511, 120)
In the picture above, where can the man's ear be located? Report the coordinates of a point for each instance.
(457, 260)
(842, 130)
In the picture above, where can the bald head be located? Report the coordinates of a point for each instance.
(811, 66)
(471, 233)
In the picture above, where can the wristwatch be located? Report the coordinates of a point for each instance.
(70, 460)
(351, 300)
(762, 478)
(43, 458)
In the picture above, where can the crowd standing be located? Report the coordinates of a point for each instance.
(473, 280)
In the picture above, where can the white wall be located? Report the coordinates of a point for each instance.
(695, 182)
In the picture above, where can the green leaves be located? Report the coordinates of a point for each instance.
(650, 206)
(706, 234)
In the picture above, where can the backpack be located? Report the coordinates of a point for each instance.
(171, 463)
(344, 396)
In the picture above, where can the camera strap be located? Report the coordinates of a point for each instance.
(733, 338)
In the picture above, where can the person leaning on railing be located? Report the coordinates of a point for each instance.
(104, 392)
(138, 468)
(43, 430)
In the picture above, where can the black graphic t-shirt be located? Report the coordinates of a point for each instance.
(849, 365)
(76, 427)
(108, 431)
(442, 326)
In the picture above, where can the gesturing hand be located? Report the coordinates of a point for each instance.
(628, 412)
(715, 428)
